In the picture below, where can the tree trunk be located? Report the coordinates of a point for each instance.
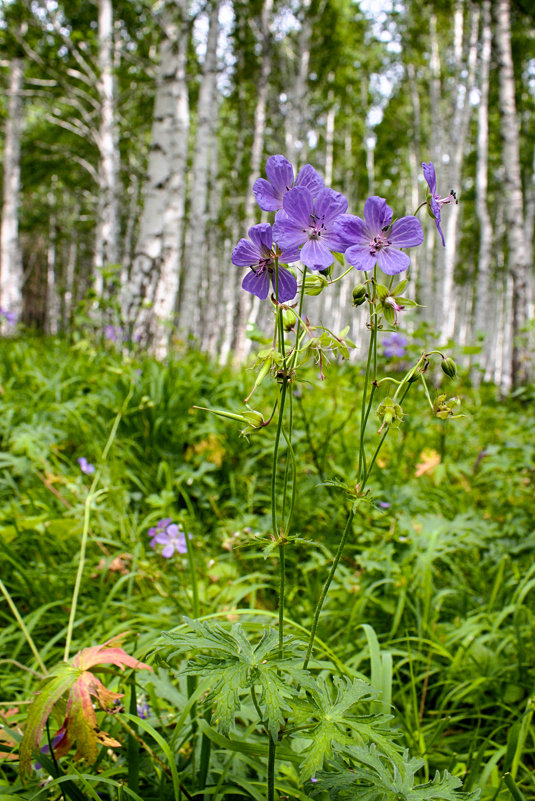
(150, 296)
(482, 318)
(512, 189)
(107, 229)
(11, 261)
(190, 314)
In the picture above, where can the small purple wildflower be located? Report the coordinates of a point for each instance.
(85, 466)
(260, 254)
(309, 222)
(143, 710)
(376, 239)
(171, 536)
(384, 504)
(9, 316)
(113, 332)
(435, 201)
(270, 194)
(45, 749)
(394, 345)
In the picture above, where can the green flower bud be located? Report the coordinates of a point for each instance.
(449, 367)
(289, 319)
(359, 295)
(253, 418)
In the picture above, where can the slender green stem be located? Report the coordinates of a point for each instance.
(191, 557)
(271, 770)
(91, 495)
(327, 584)
(20, 621)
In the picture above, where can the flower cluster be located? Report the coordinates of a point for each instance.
(312, 225)
(85, 466)
(169, 536)
(394, 345)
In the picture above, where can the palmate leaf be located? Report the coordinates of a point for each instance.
(235, 665)
(372, 776)
(340, 721)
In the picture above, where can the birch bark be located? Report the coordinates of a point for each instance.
(107, 231)
(512, 189)
(149, 298)
(482, 318)
(190, 311)
(10, 255)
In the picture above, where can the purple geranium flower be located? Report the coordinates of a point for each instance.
(376, 239)
(143, 710)
(260, 254)
(45, 749)
(269, 194)
(9, 316)
(394, 345)
(435, 201)
(161, 525)
(310, 222)
(172, 538)
(85, 466)
(113, 333)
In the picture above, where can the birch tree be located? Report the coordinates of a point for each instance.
(149, 298)
(196, 252)
(512, 189)
(11, 262)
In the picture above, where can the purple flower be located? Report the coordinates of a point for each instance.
(9, 316)
(435, 201)
(113, 333)
(85, 466)
(260, 254)
(45, 749)
(376, 239)
(394, 345)
(172, 537)
(143, 710)
(310, 222)
(161, 525)
(269, 194)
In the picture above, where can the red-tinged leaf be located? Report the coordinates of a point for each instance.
(106, 654)
(51, 690)
(81, 723)
(93, 686)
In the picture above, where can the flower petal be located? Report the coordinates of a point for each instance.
(330, 204)
(288, 234)
(261, 236)
(316, 256)
(298, 205)
(168, 551)
(266, 197)
(430, 176)
(377, 214)
(245, 254)
(406, 233)
(308, 177)
(289, 255)
(257, 283)
(360, 257)
(392, 261)
(287, 285)
(280, 174)
(351, 230)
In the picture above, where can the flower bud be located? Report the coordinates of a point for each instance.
(449, 367)
(289, 319)
(253, 418)
(359, 295)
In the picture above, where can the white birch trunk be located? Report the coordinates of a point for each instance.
(52, 295)
(246, 302)
(107, 239)
(190, 316)
(10, 256)
(514, 213)
(459, 131)
(296, 95)
(150, 296)
(483, 321)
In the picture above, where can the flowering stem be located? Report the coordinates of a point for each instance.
(190, 557)
(327, 584)
(271, 770)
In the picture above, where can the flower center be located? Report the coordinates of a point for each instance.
(379, 242)
(316, 227)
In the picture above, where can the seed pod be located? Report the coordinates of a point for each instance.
(449, 367)
(289, 319)
(359, 295)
